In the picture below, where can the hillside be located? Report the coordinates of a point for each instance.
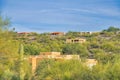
(101, 47)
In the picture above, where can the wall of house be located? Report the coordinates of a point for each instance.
(76, 40)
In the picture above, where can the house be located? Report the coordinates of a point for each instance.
(85, 33)
(34, 60)
(24, 33)
(50, 55)
(76, 40)
(57, 34)
(91, 62)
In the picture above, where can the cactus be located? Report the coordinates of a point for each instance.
(21, 58)
(21, 51)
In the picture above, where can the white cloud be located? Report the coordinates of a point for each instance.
(97, 10)
(70, 13)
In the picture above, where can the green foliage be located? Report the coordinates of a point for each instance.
(75, 49)
(4, 23)
(14, 65)
(10, 60)
(112, 29)
(54, 70)
(31, 49)
(71, 34)
(75, 70)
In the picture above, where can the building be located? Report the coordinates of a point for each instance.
(85, 33)
(76, 40)
(50, 55)
(24, 33)
(91, 62)
(34, 60)
(57, 33)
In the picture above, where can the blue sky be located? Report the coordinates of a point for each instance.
(61, 15)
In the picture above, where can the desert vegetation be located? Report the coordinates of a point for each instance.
(104, 46)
